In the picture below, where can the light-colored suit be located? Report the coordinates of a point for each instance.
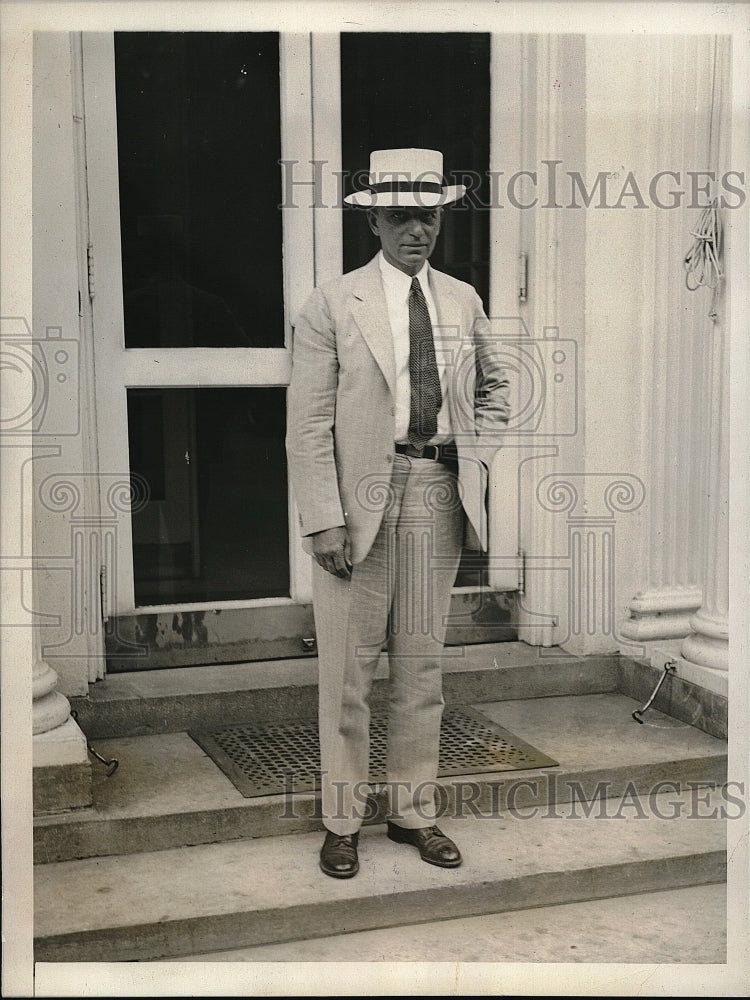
(340, 444)
(341, 401)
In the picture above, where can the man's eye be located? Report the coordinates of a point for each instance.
(429, 217)
(397, 216)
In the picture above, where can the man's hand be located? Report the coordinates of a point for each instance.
(332, 550)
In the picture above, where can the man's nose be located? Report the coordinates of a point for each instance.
(416, 228)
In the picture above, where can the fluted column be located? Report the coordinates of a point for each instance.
(704, 652)
(706, 649)
(675, 354)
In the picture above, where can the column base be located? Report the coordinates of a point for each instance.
(49, 708)
(644, 628)
(661, 614)
(49, 713)
(62, 770)
(706, 649)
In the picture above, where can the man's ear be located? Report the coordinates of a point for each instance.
(372, 220)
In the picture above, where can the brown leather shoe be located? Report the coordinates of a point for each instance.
(338, 855)
(433, 846)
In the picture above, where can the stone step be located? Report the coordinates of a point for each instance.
(675, 926)
(182, 699)
(208, 898)
(167, 793)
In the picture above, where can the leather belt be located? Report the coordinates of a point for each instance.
(446, 453)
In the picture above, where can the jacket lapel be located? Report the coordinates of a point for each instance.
(452, 339)
(449, 331)
(370, 312)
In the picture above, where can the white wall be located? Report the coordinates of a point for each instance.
(66, 577)
(619, 136)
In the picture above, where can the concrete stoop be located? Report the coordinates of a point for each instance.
(667, 927)
(192, 900)
(143, 703)
(173, 861)
(168, 793)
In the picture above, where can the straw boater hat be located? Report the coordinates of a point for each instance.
(406, 178)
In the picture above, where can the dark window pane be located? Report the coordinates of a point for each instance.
(198, 132)
(427, 90)
(215, 527)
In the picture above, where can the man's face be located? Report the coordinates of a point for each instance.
(407, 235)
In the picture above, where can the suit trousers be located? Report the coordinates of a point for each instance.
(398, 596)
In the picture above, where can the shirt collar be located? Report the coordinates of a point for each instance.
(398, 280)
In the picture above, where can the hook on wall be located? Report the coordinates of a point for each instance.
(669, 666)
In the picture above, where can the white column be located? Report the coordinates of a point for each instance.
(705, 651)
(707, 646)
(675, 351)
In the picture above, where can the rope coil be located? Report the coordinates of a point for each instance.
(701, 263)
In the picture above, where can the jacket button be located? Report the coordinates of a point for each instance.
(389, 458)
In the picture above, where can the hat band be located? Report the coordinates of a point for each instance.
(407, 187)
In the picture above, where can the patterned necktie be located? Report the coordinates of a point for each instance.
(426, 397)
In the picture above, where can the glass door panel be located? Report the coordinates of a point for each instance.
(212, 464)
(199, 144)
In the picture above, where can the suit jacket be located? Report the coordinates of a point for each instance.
(341, 413)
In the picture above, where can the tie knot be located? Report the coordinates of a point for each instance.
(415, 286)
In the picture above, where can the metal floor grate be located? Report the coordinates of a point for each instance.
(259, 759)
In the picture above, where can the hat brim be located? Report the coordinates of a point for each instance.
(406, 199)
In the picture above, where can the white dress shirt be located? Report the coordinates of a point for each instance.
(397, 286)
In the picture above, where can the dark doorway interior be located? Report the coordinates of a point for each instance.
(428, 90)
(431, 91)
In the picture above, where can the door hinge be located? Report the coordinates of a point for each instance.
(103, 599)
(90, 268)
(521, 571)
(522, 276)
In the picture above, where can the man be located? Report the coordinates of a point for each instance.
(396, 405)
